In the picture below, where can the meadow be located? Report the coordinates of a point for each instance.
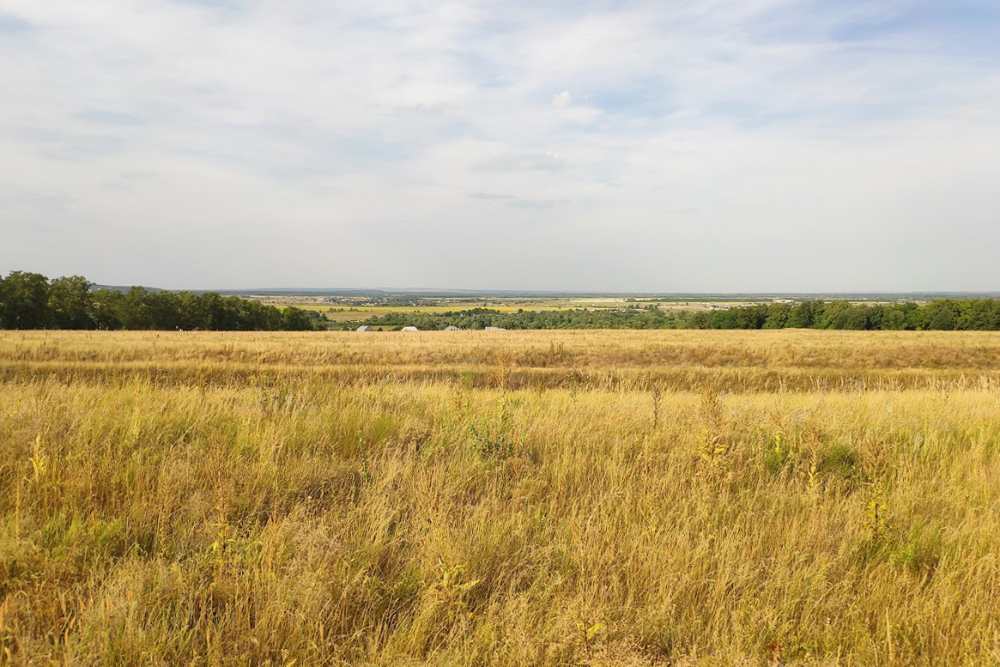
(500, 498)
(341, 312)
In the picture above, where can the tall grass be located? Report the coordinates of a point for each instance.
(431, 508)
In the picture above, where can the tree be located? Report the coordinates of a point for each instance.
(69, 303)
(834, 316)
(194, 313)
(804, 315)
(894, 319)
(295, 319)
(980, 315)
(163, 310)
(916, 318)
(750, 317)
(857, 318)
(777, 316)
(24, 301)
(941, 315)
(104, 309)
(132, 310)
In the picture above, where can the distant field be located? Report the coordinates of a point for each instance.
(341, 313)
(360, 313)
(500, 498)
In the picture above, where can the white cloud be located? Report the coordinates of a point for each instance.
(562, 100)
(251, 142)
(536, 161)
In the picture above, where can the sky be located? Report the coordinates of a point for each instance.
(585, 145)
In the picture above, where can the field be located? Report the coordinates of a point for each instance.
(336, 313)
(342, 310)
(500, 498)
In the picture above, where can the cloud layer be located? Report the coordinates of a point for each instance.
(651, 146)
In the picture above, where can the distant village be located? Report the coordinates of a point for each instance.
(365, 327)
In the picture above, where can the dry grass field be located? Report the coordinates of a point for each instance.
(500, 498)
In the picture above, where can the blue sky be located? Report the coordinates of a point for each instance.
(752, 145)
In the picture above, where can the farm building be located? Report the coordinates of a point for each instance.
(364, 327)
(495, 329)
(409, 329)
(451, 328)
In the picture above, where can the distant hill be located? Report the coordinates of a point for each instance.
(122, 288)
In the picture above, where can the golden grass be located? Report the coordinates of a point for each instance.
(680, 360)
(500, 498)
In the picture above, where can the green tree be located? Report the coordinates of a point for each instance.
(24, 301)
(105, 306)
(834, 316)
(133, 309)
(193, 313)
(70, 303)
(777, 316)
(804, 315)
(980, 315)
(163, 310)
(296, 319)
(750, 317)
(894, 319)
(857, 318)
(916, 317)
(941, 315)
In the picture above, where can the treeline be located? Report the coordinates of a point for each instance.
(481, 318)
(940, 315)
(32, 301)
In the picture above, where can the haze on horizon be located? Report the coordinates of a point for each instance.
(608, 146)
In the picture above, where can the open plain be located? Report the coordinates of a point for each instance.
(500, 498)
